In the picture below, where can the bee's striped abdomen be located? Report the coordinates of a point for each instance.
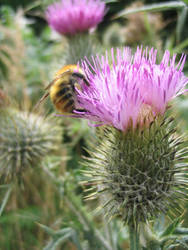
(63, 89)
(64, 98)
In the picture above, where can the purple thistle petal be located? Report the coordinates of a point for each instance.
(133, 88)
(69, 17)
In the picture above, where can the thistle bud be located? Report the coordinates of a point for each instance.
(24, 140)
(139, 173)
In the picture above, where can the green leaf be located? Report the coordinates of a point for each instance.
(170, 229)
(76, 240)
(151, 8)
(63, 231)
(62, 236)
(111, 1)
(159, 224)
(60, 240)
(182, 242)
(33, 5)
(186, 1)
(5, 200)
(181, 231)
(48, 230)
(182, 16)
(49, 245)
(181, 46)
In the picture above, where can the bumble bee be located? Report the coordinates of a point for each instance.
(62, 89)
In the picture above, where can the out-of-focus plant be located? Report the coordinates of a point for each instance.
(3, 99)
(154, 7)
(24, 204)
(75, 19)
(172, 40)
(23, 58)
(81, 229)
(11, 49)
(137, 28)
(25, 139)
(169, 236)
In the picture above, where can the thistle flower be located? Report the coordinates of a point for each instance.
(24, 140)
(134, 88)
(70, 17)
(138, 166)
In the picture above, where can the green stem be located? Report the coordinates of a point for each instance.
(134, 238)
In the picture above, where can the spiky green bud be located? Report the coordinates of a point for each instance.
(139, 173)
(24, 140)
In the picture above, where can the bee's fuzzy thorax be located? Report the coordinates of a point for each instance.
(62, 90)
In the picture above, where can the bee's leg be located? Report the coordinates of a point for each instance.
(81, 76)
(81, 110)
(41, 100)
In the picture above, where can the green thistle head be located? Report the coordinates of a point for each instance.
(24, 140)
(139, 173)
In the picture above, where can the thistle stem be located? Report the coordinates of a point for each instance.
(134, 238)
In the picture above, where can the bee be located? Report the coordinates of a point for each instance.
(62, 89)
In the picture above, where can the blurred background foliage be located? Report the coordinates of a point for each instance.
(47, 209)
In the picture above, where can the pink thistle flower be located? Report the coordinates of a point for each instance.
(130, 89)
(160, 82)
(69, 17)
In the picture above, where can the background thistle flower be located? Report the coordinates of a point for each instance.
(24, 140)
(70, 17)
(74, 19)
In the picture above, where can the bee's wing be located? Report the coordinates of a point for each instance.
(41, 100)
(46, 94)
(48, 87)
(50, 84)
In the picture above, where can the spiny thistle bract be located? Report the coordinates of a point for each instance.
(25, 138)
(139, 173)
